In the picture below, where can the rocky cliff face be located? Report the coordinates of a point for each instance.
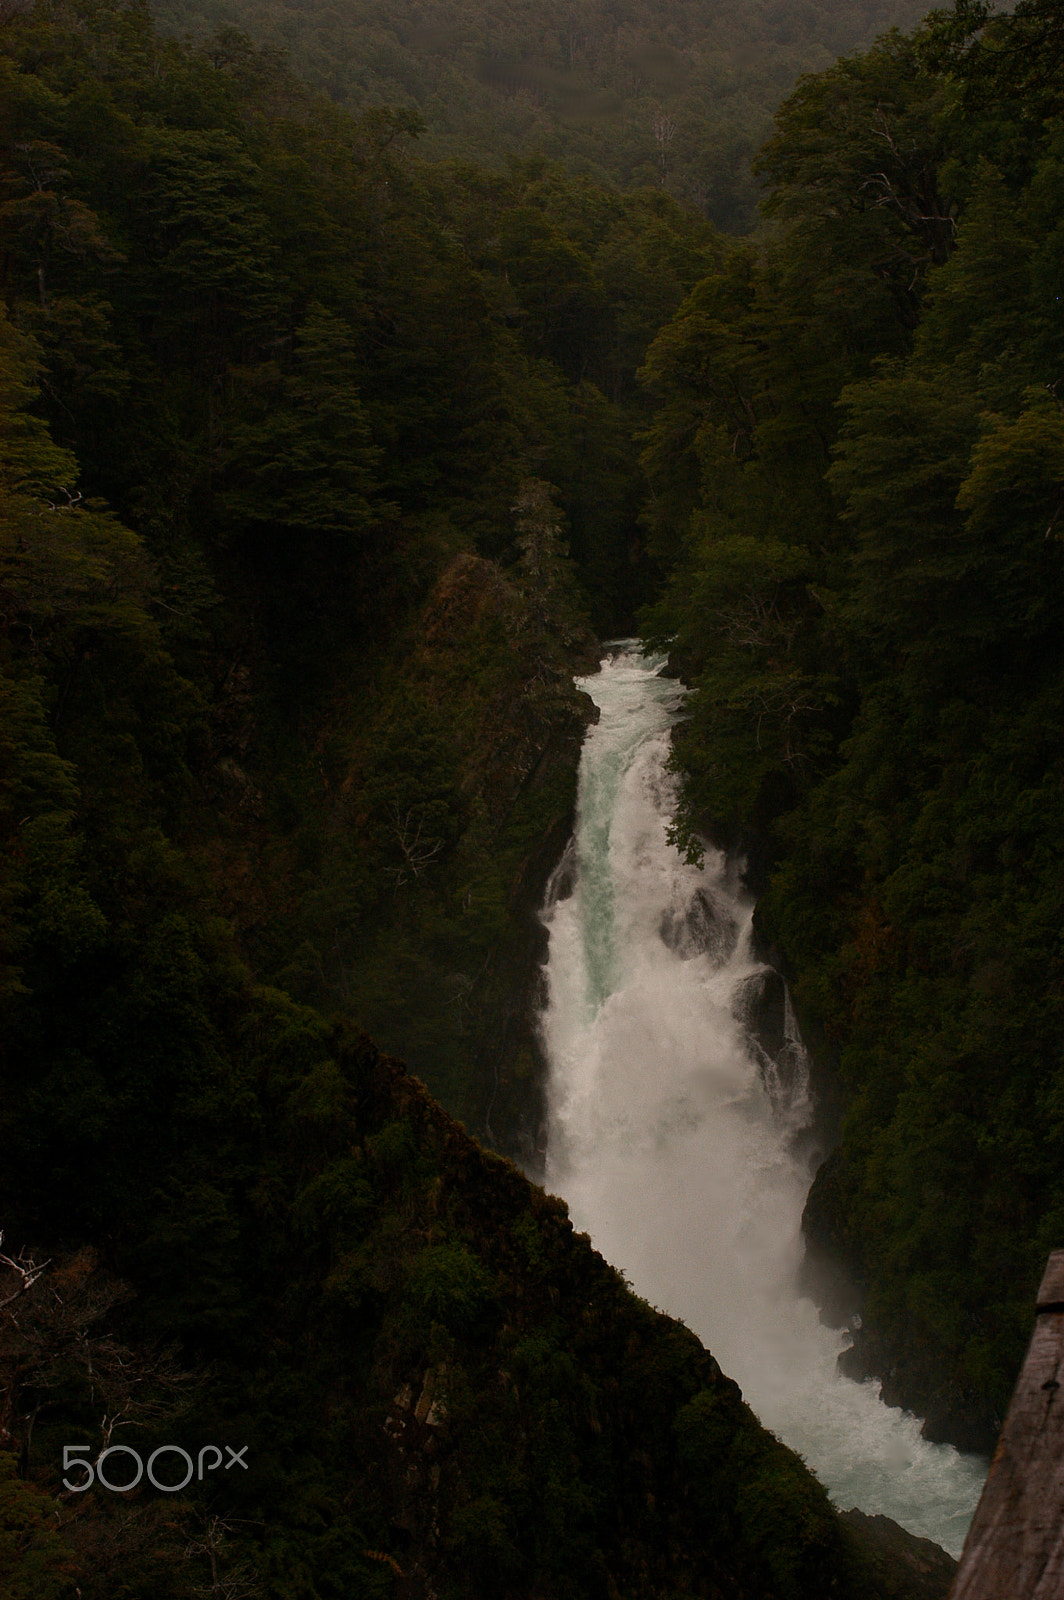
(903, 1567)
(388, 855)
(909, 1369)
(521, 723)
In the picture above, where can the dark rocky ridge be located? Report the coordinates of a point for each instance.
(435, 945)
(519, 766)
(905, 1567)
(642, 1409)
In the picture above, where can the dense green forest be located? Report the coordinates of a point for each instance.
(355, 409)
(316, 472)
(860, 443)
(322, 464)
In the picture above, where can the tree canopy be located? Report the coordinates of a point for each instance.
(856, 464)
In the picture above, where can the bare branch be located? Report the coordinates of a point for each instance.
(26, 1270)
(418, 851)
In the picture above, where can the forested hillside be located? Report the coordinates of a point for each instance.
(437, 1387)
(323, 390)
(321, 466)
(860, 444)
(677, 95)
(297, 435)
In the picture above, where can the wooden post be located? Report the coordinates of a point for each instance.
(1015, 1546)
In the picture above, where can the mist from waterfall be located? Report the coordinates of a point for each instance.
(679, 1097)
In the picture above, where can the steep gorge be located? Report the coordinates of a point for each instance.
(290, 729)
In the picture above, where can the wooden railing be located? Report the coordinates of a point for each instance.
(1015, 1546)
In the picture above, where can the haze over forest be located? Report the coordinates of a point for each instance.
(677, 94)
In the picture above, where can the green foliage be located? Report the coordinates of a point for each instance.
(299, 707)
(448, 1285)
(34, 1559)
(307, 419)
(406, 1387)
(30, 463)
(900, 805)
(902, 453)
(278, 328)
(856, 164)
(977, 316)
(311, 375)
(305, 463)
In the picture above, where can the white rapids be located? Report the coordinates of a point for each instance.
(674, 1114)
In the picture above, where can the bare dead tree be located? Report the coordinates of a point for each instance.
(25, 1273)
(664, 129)
(54, 1344)
(418, 849)
(235, 1581)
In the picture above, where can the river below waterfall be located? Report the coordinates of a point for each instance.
(678, 1099)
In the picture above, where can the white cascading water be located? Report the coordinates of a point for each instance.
(676, 1121)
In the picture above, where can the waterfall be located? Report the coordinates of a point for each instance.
(679, 1092)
